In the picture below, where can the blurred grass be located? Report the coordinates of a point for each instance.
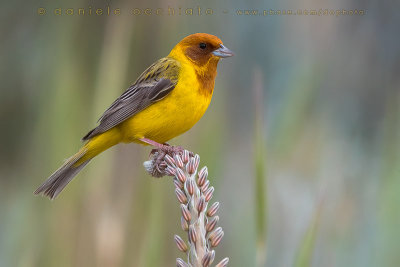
(388, 208)
(307, 246)
(260, 200)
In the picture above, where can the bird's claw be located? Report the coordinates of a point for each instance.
(165, 149)
(158, 155)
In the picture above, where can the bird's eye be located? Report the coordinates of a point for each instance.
(202, 45)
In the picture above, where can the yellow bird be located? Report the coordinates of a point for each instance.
(165, 101)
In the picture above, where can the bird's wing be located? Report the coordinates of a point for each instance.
(153, 84)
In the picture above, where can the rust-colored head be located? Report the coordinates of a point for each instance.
(202, 48)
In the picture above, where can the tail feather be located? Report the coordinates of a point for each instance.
(61, 177)
(88, 135)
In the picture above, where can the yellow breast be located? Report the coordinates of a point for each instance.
(173, 115)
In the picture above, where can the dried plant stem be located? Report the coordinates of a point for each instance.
(194, 193)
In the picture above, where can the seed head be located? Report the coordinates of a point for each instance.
(194, 193)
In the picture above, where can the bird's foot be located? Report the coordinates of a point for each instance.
(158, 163)
(158, 154)
(170, 150)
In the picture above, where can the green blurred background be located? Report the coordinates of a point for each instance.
(302, 138)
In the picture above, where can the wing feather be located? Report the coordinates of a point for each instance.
(153, 85)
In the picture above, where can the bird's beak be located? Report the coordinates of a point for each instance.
(223, 52)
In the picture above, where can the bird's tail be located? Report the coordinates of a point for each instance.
(72, 166)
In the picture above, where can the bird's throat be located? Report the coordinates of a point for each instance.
(206, 75)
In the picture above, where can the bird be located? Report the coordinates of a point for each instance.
(166, 100)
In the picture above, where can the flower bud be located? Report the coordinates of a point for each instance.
(213, 209)
(180, 175)
(181, 196)
(203, 174)
(209, 193)
(180, 243)
(178, 161)
(212, 223)
(192, 234)
(186, 213)
(223, 263)
(181, 263)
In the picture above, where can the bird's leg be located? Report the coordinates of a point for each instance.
(166, 148)
(150, 142)
(158, 154)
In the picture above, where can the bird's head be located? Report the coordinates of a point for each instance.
(202, 49)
